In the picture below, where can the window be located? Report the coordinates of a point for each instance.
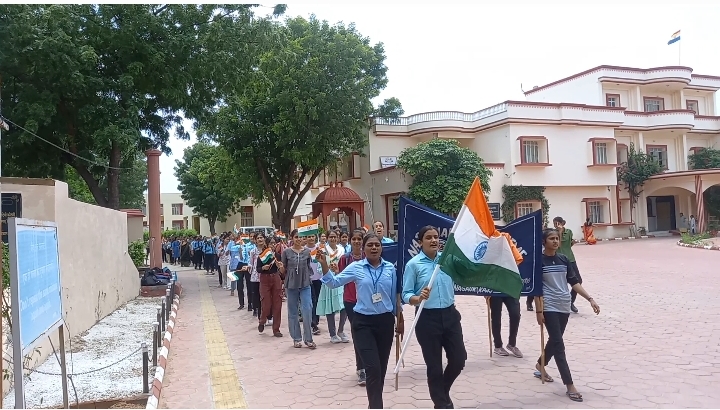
(612, 100)
(178, 224)
(654, 104)
(531, 150)
(596, 212)
(659, 153)
(144, 210)
(601, 153)
(177, 209)
(692, 105)
(162, 209)
(246, 216)
(622, 153)
(524, 208)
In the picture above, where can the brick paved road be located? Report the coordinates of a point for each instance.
(655, 345)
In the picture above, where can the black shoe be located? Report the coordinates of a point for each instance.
(241, 307)
(255, 313)
(573, 308)
(261, 328)
(530, 308)
(250, 309)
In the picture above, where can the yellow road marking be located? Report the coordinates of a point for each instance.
(226, 390)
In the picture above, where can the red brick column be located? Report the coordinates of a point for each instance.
(153, 166)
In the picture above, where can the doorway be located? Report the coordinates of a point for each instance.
(661, 213)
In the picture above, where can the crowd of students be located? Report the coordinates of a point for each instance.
(342, 276)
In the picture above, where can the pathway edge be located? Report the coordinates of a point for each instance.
(157, 383)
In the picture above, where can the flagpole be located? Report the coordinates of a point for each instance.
(415, 320)
(679, 42)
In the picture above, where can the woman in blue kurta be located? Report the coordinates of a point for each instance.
(438, 327)
(375, 311)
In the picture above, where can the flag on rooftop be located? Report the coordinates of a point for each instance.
(308, 228)
(675, 37)
(476, 254)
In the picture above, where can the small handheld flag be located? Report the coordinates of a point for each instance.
(674, 38)
(308, 228)
(235, 229)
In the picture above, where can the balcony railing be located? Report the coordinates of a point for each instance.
(443, 116)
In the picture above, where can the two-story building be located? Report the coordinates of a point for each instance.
(569, 137)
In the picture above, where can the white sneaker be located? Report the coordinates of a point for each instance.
(343, 337)
(269, 322)
(335, 339)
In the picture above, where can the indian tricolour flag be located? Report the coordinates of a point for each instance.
(266, 256)
(245, 238)
(308, 228)
(476, 254)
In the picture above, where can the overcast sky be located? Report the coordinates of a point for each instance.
(451, 56)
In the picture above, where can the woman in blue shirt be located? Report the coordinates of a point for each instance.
(375, 311)
(380, 231)
(439, 325)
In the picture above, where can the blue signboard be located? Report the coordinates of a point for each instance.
(35, 279)
(526, 231)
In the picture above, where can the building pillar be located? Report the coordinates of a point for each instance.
(685, 152)
(153, 206)
(699, 205)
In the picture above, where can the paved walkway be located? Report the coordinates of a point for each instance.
(655, 345)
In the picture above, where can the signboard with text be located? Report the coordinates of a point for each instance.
(11, 207)
(34, 281)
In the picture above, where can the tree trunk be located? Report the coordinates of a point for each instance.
(92, 184)
(211, 222)
(113, 176)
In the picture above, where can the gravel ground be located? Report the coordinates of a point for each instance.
(107, 343)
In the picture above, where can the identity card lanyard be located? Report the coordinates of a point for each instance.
(376, 297)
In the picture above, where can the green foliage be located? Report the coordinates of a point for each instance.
(443, 172)
(146, 236)
(512, 194)
(708, 158)
(698, 239)
(108, 81)
(179, 233)
(209, 182)
(391, 110)
(636, 170)
(305, 107)
(137, 252)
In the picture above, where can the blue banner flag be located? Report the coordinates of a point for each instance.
(526, 231)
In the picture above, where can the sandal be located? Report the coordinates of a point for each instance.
(548, 379)
(574, 396)
(297, 345)
(277, 334)
(311, 345)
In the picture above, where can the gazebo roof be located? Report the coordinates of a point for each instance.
(339, 195)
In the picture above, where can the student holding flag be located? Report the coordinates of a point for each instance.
(439, 327)
(270, 285)
(375, 311)
(557, 275)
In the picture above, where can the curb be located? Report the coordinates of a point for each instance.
(625, 238)
(157, 383)
(695, 246)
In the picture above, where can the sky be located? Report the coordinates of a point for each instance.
(448, 56)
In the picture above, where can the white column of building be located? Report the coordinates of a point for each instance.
(641, 142)
(684, 153)
(638, 97)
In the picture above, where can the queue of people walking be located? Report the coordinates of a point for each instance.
(342, 277)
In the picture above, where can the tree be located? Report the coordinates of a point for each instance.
(636, 170)
(133, 183)
(443, 172)
(305, 108)
(207, 180)
(390, 110)
(104, 83)
(708, 158)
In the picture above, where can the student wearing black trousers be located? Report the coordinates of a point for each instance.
(350, 297)
(438, 327)
(513, 308)
(557, 275)
(376, 310)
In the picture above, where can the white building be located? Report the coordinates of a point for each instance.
(569, 137)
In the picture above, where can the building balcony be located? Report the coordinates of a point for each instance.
(659, 120)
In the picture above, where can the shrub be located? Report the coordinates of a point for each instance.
(179, 233)
(137, 252)
(694, 239)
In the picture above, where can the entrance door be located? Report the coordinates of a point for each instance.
(196, 223)
(665, 212)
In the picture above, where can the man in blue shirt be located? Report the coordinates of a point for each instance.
(379, 228)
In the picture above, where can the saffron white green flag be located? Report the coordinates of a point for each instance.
(476, 253)
(308, 228)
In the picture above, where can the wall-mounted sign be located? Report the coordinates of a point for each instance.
(387, 162)
(11, 206)
(495, 210)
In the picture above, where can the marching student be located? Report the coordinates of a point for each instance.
(438, 327)
(513, 308)
(379, 228)
(350, 296)
(557, 275)
(270, 285)
(566, 243)
(311, 244)
(297, 270)
(330, 301)
(376, 309)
